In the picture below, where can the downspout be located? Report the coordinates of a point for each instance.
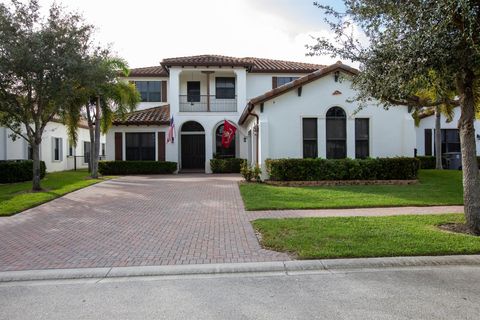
(250, 113)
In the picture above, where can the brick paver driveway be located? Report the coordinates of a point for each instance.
(134, 221)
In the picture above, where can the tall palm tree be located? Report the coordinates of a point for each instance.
(103, 96)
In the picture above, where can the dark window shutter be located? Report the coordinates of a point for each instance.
(118, 146)
(428, 142)
(161, 146)
(164, 91)
(274, 82)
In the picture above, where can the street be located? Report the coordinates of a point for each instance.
(401, 293)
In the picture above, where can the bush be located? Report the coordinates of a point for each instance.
(343, 169)
(427, 162)
(229, 165)
(249, 173)
(136, 167)
(19, 170)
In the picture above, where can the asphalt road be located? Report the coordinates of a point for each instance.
(408, 293)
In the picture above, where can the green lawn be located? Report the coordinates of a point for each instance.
(434, 188)
(347, 237)
(17, 197)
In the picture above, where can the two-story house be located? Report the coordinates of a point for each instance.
(200, 93)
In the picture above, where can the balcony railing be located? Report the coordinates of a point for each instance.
(205, 103)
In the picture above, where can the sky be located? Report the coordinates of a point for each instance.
(145, 31)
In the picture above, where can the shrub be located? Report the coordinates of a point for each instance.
(229, 165)
(342, 169)
(427, 162)
(249, 173)
(136, 167)
(19, 170)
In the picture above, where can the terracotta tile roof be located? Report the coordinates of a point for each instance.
(207, 60)
(156, 71)
(257, 65)
(293, 85)
(262, 65)
(152, 116)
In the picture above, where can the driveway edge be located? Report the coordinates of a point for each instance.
(279, 267)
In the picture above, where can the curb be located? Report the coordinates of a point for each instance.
(279, 267)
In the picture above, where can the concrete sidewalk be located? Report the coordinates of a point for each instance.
(274, 267)
(365, 212)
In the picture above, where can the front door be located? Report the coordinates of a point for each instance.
(193, 151)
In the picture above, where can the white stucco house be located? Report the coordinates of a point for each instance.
(55, 149)
(280, 108)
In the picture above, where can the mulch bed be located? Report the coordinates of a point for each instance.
(457, 228)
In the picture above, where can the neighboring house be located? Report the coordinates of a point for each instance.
(55, 149)
(302, 109)
(425, 134)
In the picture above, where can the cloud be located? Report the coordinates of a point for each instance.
(144, 32)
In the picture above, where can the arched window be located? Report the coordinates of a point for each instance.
(336, 133)
(220, 151)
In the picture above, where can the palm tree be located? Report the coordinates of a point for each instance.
(103, 96)
(437, 88)
(448, 112)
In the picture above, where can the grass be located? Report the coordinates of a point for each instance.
(17, 197)
(354, 237)
(435, 187)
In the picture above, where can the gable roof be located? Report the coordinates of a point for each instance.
(156, 71)
(339, 66)
(151, 116)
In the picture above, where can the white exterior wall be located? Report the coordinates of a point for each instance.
(259, 83)
(18, 149)
(391, 132)
(429, 123)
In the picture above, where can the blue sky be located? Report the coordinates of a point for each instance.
(145, 31)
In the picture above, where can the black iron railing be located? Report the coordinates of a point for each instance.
(205, 103)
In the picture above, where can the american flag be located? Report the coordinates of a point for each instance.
(171, 131)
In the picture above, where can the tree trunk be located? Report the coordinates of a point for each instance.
(92, 136)
(36, 164)
(438, 139)
(471, 173)
(97, 141)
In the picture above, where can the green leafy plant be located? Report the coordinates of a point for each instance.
(250, 173)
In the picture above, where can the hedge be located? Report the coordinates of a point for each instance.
(136, 167)
(229, 165)
(343, 169)
(19, 170)
(427, 162)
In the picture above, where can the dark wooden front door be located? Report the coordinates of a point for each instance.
(193, 151)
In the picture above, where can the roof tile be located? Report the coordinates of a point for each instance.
(152, 116)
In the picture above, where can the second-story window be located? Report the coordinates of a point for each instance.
(193, 91)
(225, 88)
(150, 91)
(280, 81)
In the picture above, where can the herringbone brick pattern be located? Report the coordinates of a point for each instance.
(135, 221)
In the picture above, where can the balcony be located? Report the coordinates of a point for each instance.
(207, 103)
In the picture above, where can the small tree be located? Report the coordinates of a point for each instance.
(40, 59)
(405, 41)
